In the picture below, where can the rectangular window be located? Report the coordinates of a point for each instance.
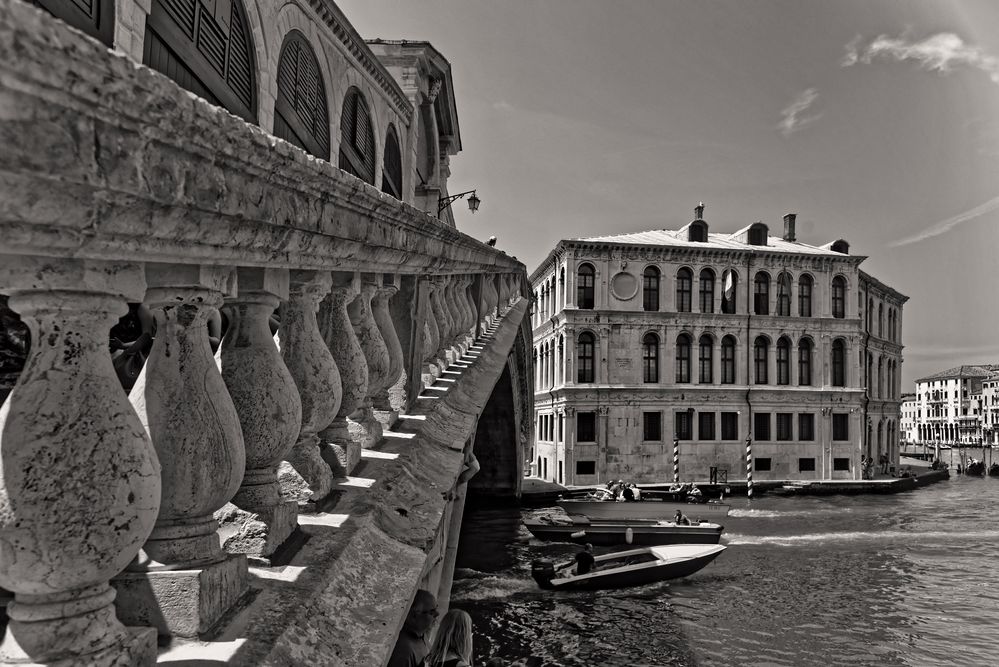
(586, 427)
(784, 426)
(841, 464)
(730, 426)
(761, 426)
(682, 426)
(806, 427)
(707, 292)
(705, 426)
(652, 426)
(841, 426)
(806, 465)
(761, 464)
(586, 467)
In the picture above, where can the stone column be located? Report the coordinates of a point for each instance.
(269, 409)
(316, 376)
(391, 399)
(188, 583)
(362, 424)
(80, 489)
(334, 324)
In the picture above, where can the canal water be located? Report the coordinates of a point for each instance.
(907, 579)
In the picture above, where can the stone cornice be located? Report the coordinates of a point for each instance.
(106, 159)
(356, 46)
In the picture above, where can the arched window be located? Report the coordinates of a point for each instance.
(584, 357)
(705, 359)
(392, 165)
(758, 233)
(881, 377)
(537, 368)
(301, 116)
(650, 358)
(698, 231)
(728, 360)
(783, 360)
(683, 358)
(804, 362)
(761, 294)
(205, 49)
(357, 138)
(585, 276)
(729, 283)
(650, 289)
(684, 279)
(838, 363)
(805, 296)
(560, 361)
(706, 291)
(839, 297)
(870, 315)
(784, 294)
(761, 349)
(881, 320)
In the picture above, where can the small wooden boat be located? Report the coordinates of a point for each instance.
(628, 568)
(579, 529)
(653, 509)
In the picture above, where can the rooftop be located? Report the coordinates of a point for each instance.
(963, 371)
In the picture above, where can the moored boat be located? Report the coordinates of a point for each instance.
(581, 530)
(652, 509)
(628, 568)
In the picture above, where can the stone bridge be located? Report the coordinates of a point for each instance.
(261, 462)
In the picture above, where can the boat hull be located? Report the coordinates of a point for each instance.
(611, 533)
(619, 574)
(643, 510)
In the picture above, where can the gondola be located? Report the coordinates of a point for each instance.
(628, 568)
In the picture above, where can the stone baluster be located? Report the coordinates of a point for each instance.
(334, 324)
(80, 489)
(316, 375)
(443, 356)
(182, 401)
(469, 305)
(454, 309)
(461, 307)
(363, 426)
(503, 293)
(491, 297)
(269, 409)
(390, 399)
(433, 338)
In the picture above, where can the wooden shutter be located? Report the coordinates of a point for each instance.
(94, 17)
(301, 101)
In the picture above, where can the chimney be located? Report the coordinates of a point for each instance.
(789, 226)
(699, 211)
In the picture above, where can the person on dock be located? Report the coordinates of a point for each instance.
(412, 647)
(585, 563)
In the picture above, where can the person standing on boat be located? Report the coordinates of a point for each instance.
(628, 493)
(680, 520)
(585, 560)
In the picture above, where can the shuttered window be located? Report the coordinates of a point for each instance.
(206, 49)
(357, 139)
(301, 111)
(94, 17)
(392, 165)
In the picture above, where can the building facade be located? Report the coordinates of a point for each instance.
(712, 342)
(910, 418)
(958, 406)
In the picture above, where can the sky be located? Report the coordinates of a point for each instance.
(875, 121)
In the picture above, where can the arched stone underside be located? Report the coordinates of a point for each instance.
(168, 201)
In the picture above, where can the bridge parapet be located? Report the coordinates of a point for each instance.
(292, 392)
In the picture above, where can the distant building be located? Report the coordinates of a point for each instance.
(910, 418)
(711, 339)
(958, 406)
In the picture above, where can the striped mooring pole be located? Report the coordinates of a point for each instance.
(749, 467)
(676, 461)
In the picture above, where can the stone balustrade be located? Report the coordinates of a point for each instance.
(119, 187)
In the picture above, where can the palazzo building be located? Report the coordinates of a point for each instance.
(709, 342)
(957, 406)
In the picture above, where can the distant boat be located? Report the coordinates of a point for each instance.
(975, 468)
(581, 530)
(628, 568)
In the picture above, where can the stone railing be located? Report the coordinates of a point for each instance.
(119, 187)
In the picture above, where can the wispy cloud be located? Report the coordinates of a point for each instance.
(949, 223)
(793, 116)
(937, 53)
